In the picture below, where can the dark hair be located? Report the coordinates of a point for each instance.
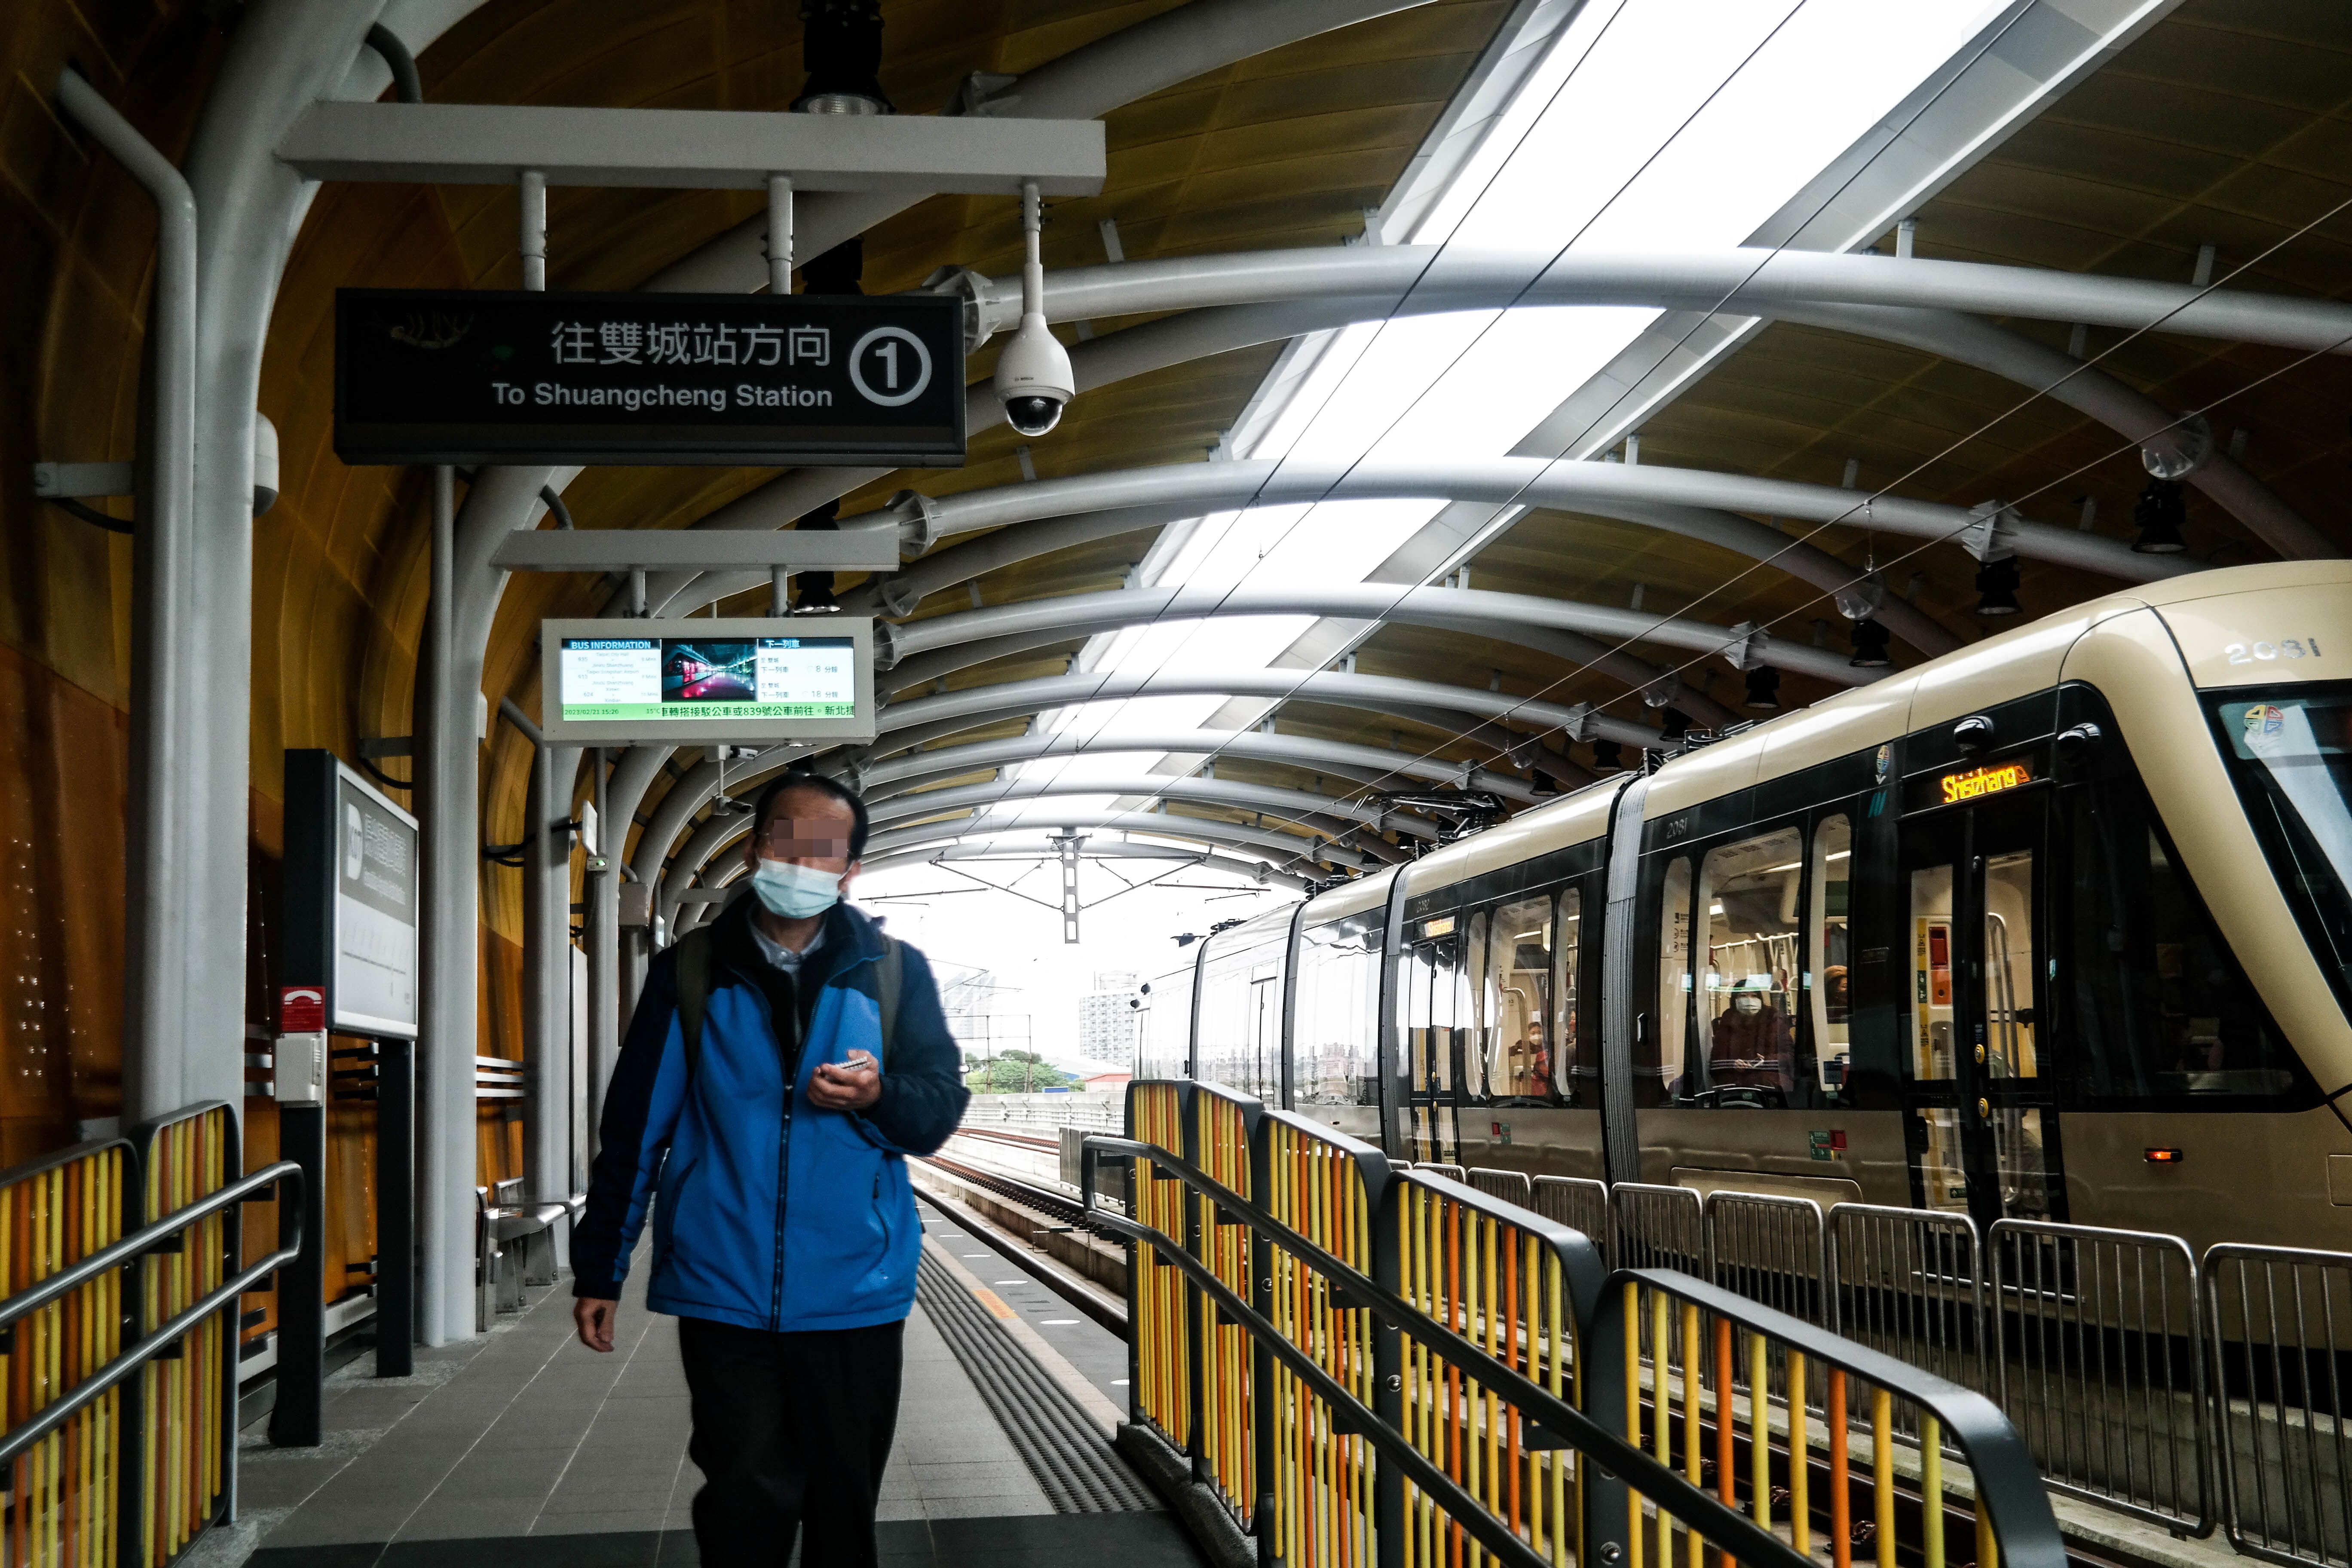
(824, 784)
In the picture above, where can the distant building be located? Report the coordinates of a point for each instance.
(1103, 1082)
(1108, 1021)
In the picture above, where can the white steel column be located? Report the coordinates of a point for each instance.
(165, 710)
(446, 772)
(283, 56)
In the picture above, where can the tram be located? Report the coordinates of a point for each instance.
(2058, 926)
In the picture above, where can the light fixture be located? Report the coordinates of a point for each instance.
(1673, 723)
(2158, 514)
(1997, 587)
(1608, 757)
(1870, 640)
(1764, 690)
(841, 48)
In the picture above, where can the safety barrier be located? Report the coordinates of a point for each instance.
(2098, 1355)
(1580, 1203)
(1364, 1365)
(1770, 1250)
(119, 1455)
(1909, 1283)
(2280, 1321)
(1656, 1228)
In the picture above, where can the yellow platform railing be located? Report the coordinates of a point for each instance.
(1368, 1365)
(117, 1339)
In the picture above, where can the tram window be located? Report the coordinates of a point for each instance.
(1828, 984)
(2010, 965)
(1931, 990)
(1166, 1045)
(1566, 953)
(1234, 1048)
(2162, 1012)
(1516, 1004)
(1747, 896)
(1334, 1039)
(2290, 753)
(1943, 1180)
(1670, 1022)
(1480, 1016)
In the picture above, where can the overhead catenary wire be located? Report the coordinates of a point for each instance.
(1863, 505)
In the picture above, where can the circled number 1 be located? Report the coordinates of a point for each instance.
(2265, 652)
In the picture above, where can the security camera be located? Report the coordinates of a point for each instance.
(1032, 378)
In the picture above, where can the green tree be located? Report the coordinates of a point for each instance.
(1018, 1072)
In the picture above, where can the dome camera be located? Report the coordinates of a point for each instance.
(1032, 378)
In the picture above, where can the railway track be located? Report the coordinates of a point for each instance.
(1064, 1209)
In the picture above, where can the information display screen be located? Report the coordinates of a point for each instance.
(803, 677)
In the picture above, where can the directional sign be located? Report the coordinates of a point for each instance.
(484, 376)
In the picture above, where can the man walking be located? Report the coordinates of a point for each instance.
(782, 1064)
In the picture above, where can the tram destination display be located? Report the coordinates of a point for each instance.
(739, 680)
(485, 376)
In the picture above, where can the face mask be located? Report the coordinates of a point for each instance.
(796, 893)
(1749, 1005)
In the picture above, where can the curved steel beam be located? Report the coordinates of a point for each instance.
(912, 770)
(976, 636)
(1527, 481)
(1299, 805)
(989, 847)
(1741, 281)
(2074, 385)
(1288, 847)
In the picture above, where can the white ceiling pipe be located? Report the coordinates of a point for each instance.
(991, 846)
(1740, 281)
(1527, 481)
(2083, 387)
(1159, 345)
(985, 704)
(882, 779)
(1499, 615)
(654, 861)
(1569, 647)
(1295, 847)
(1286, 849)
(1236, 793)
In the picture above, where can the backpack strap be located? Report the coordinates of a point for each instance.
(893, 963)
(693, 992)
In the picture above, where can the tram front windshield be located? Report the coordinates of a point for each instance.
(2290, 751)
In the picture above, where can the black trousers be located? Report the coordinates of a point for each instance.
(791, 1432)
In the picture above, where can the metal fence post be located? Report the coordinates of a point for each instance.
(1388, 1372)
(1262, 1511)
(396, 1210)
(1199, 1316)
(294, 1420)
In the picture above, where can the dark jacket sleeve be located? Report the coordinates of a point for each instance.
(923, 1094)
(641, 1109)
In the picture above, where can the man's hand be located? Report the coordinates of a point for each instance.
(852, 1085)
(595, 1321)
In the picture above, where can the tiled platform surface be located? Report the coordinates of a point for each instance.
(525, 1447)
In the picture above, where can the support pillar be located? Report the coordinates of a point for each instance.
(446, 766)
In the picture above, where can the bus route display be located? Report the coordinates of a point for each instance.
(739, 680)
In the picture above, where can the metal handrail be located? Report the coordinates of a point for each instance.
(42, 1164)
(1735, 1532)
(289, 1225)
(2008, 1481)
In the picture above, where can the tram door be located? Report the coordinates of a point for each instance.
(1433, 996)
(1981, 1117)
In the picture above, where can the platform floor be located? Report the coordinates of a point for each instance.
(523, 1447)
